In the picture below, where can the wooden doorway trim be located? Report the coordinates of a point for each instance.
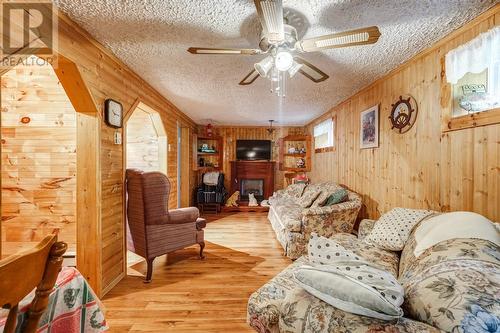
(88, 183)
(185, 170)
(160, 130)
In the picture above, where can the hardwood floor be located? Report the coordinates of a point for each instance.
(192, 295)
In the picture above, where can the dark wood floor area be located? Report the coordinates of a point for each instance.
(189, 295)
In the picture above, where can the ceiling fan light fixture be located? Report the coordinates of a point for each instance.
(264, 66)
(294, 69)
(283, 61)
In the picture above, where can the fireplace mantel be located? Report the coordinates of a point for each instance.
(253, 170)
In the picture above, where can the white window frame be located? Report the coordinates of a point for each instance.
(326, 126)
(475, 56)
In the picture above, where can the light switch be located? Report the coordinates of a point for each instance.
(118, 138)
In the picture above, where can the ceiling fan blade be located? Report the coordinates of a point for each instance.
(271, 17)
(310, 71)
(205, 50)
(361, 36)
(250, 78)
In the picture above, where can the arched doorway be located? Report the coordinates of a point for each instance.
(145, 140)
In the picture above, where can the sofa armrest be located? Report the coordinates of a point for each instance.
(328, 220)
(365, 227)
(183, 215)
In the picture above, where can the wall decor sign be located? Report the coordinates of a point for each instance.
(403, 114)
(368, 133)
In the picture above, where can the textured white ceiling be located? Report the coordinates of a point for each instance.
(151, 36)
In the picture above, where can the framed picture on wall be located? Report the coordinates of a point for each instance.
(368, 130)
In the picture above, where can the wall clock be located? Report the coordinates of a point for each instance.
(403, 114)
(113, 113)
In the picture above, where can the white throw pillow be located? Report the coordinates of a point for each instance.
(355, 288)
(453, 225)
(348, 282)
(393, 229)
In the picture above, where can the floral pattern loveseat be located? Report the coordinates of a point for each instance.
(454, 286)
(293, 224)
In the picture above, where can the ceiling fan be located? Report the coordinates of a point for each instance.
(280, 42)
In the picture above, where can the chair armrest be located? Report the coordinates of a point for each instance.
(328, 220)
(365, 227)
(183, 215)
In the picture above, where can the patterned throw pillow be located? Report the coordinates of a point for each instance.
(325, 251)
(393, 228)
(329, 194)
(310, 194)
(339, 196)
(295, 190)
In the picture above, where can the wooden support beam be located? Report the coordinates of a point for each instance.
(88, 210)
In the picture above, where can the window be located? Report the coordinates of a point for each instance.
(324, 136)
(473, 69)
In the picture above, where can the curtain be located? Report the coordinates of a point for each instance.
(483, 52)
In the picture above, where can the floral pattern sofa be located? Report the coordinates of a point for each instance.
(454, 286)
(293, 223)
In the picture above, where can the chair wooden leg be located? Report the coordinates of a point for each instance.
(150, 270)
(202, 246)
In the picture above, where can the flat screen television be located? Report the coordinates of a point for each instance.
(253, 150)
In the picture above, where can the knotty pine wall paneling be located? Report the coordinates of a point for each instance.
(38, 160)
(424, 168)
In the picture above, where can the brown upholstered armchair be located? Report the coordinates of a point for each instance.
(153, 230)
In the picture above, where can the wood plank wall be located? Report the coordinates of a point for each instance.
(142, 142)
(107, 77)
(38, 160)
(424, 168)
(231, 134)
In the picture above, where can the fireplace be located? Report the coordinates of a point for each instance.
(255, 186)
(255, 177)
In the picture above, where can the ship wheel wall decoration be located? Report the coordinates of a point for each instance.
(403, 114)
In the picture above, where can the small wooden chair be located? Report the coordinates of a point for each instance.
(21, 273)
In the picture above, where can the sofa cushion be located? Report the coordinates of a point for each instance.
(264, 304)
(310, 194)
(393, 228)
(454, 285)
(301, 312)
(365, 227)
(295, 190)
(331, 197)
(327, 189)
(354, 287)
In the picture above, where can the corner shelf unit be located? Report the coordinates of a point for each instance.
(214, 160)
(287, 160)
